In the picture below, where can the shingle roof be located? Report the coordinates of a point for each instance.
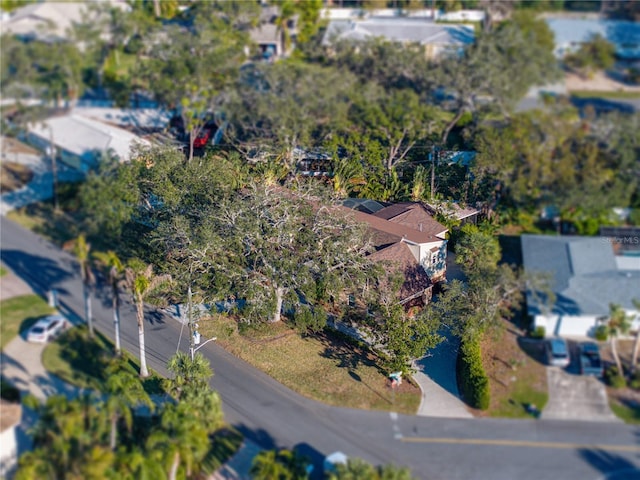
(394, 229)
(401, 260)
(586, 278)
(414, 216)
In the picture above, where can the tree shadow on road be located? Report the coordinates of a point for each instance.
(612, 466)
(40, 273)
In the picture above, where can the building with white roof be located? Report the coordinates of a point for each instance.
(435, 37)
(80, 142)
(49, 21)
(571, 33)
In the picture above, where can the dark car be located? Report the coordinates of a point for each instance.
(558, 352)
(590, 361)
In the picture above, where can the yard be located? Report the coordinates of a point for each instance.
(83, 362)
(324, 367)
(624, 402)
(517, 375)
(18, 314)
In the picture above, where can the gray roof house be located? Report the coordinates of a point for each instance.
(436, 37)
(570, 33)
(585, 279)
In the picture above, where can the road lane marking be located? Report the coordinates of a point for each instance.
(521, 443)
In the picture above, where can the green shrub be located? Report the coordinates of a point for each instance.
(613, 378)
(472, 379)
(8, 392)
(601, 333)
(307, 320)
(538, 332)
(635, 380)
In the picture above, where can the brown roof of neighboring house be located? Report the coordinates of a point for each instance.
(414, 216)
(398, 230)
(401, 260)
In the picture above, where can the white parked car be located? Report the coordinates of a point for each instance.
(46, 328)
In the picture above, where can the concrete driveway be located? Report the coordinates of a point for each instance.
(576, 397)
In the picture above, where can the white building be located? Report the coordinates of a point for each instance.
(80, 142)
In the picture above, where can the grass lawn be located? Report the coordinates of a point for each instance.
(80, 361)
(517, 376)
(18, 314)
(614, 94)
(3, 271)
(324, 367)
(628, 412)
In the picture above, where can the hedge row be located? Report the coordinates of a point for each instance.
(472, 379)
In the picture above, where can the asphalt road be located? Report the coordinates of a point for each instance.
(272, 415)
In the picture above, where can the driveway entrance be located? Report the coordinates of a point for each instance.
(576, 397)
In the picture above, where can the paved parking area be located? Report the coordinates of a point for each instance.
(576, 397)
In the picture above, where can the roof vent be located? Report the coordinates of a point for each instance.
(420, 227)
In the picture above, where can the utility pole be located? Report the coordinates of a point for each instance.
(433, 173)
(191, 331)
(54, 170)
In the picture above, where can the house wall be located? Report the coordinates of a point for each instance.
(439, 267)
(575, 326)
(8, 450)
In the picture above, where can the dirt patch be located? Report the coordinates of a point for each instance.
(13, 176)
(11, 413)
(11, 145)
(600, 81)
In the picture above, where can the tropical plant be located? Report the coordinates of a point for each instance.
(70, 440)
(82, 250)
(190, 385)
(618, 324)
(125, 392)
(142, 282)
(179, 440)
(115, 270)
(636, 343)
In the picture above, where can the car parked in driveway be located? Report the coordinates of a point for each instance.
(46, 328)
(590, 361)
(558, 352)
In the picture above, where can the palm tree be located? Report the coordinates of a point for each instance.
(187, 374)
(282, 21)
(141, 281)
(180, 439)
(125, 392)
(115, 270)
(636, 344)
(267, 466)
(136, 464)
(190, 386)
(82, 250)
(619, 324)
